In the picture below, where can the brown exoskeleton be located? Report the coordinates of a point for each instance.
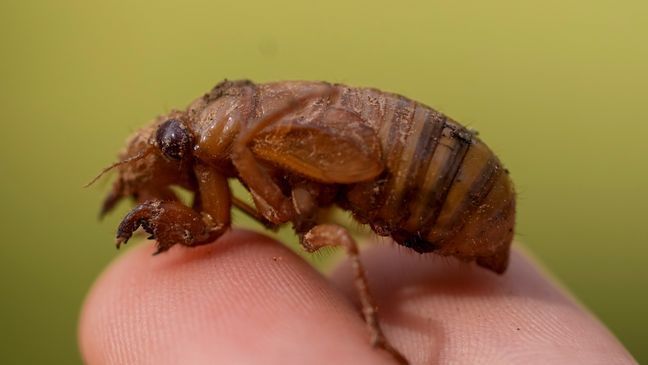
(405, 169)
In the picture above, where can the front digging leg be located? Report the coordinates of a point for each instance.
(171, 222)
(168, 222)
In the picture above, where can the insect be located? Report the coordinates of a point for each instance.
(300, 147)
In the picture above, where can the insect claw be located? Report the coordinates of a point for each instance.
(159, 249)
(271, 226)
(121, 240)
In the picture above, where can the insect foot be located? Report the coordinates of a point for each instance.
(168, 222)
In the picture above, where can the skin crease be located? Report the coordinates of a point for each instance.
(248, 300)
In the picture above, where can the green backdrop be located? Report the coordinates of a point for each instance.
(556, 88)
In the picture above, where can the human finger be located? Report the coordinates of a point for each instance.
(244, 299)
(439, 311)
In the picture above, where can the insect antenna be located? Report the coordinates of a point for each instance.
(137, 157)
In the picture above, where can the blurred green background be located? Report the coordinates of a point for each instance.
(556, 88)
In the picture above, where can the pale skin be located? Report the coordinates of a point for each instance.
(248, 300)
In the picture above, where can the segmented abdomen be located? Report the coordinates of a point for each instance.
(441, 182)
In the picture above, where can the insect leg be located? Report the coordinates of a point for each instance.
(251, 212)
(270, 201)
(267, 196)
(171, 222)
(215, 200)
(333, 235)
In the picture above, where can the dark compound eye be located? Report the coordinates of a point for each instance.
(173, 139)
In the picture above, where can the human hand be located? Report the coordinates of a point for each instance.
(248, 300)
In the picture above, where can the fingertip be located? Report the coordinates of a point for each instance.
(138, 291)
(242, 299)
